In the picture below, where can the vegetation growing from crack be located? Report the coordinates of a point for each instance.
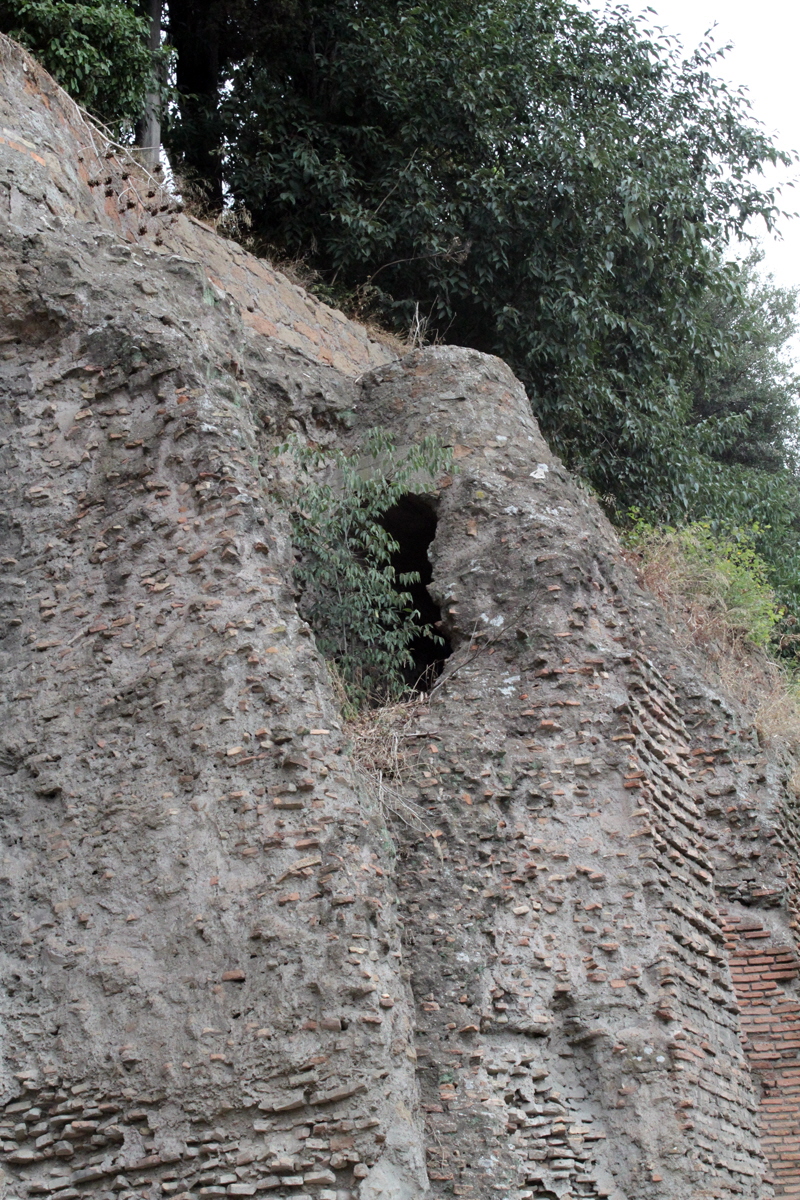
(358, 605)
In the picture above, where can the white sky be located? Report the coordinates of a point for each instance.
(765, 58)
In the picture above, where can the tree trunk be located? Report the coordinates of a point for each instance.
(148, 133)
(195, 27)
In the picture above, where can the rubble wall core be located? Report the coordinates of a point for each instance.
(229, 967)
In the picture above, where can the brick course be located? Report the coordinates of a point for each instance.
(770, 1022)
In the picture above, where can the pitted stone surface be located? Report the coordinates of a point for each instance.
(199, 923)
(575, 1004)
(223, 974)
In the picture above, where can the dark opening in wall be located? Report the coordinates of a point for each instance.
(412, 524)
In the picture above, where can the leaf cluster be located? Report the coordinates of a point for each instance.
(738, 428)
(96, 49)
(545, 183)
(358, 605)
(743, 398)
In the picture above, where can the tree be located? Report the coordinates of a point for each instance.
(744, 400)
(196, 31)
(547, 184)
(97, 50)
(148, 128)
(209, 38)
(741, 424)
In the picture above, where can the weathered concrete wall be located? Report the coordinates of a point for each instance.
(223, 974)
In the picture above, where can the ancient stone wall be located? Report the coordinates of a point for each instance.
(763, 973)
(233, 963)
(53, 156)
(586, 1022)
(200, 947)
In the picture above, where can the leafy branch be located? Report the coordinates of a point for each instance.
(358, 605)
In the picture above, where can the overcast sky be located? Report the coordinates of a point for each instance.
(764, 57)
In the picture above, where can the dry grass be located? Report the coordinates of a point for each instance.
(384, 754)
(694, 584)
(382, 736)
(699, 619)
(766, 691)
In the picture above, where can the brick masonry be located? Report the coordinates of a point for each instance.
(53, 153)
(581, 844)
(763, 973)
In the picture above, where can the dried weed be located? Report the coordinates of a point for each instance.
(766, 689)
(383, 737)
(384, 753)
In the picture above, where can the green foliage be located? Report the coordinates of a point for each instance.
(738, 429)
(351, 594)
(209, 37)
(735, 496)
(556, 186)
(96, 49)
(548, 184)
(744, 398)
(721, 573)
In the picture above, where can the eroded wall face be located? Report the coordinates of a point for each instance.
(229, 968)
(575, 1003)
(200, 950)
